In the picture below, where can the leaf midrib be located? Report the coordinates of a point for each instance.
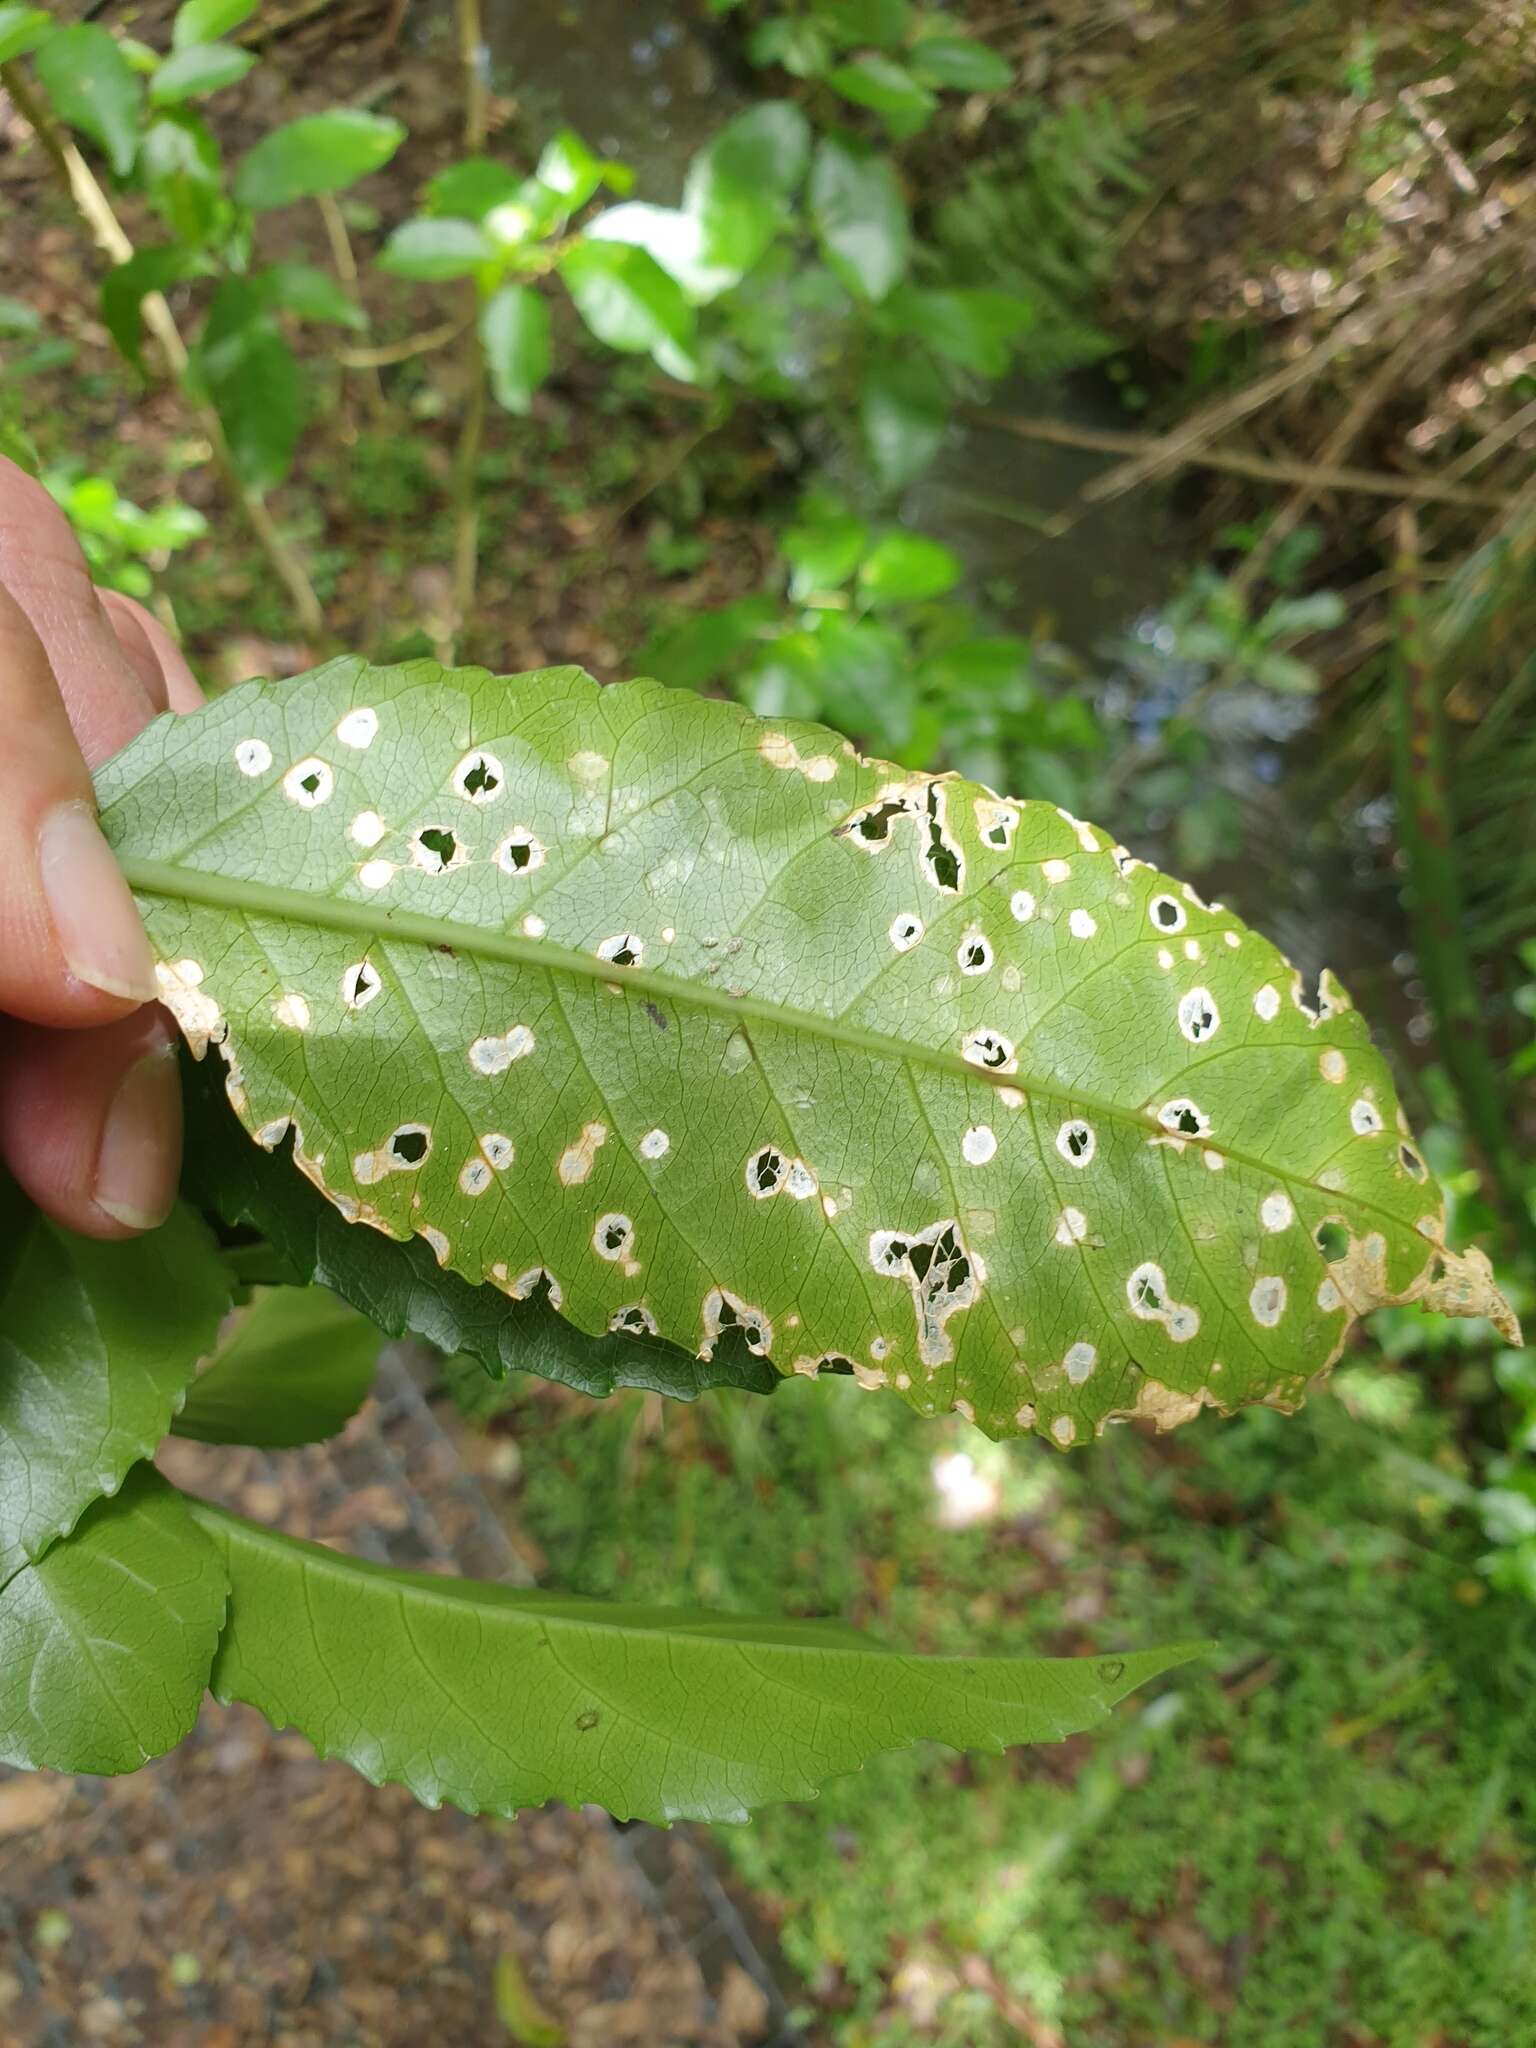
(385, 925)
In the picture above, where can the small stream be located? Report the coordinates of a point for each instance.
(650, 82)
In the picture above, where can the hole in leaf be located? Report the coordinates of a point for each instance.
(943, 861)
(765, 1171)
(1146, 1294)
(1412, 1163)
(1332, 1240)
(440, 843)
(480, 779)
(409, 1146)
(309, 783)
(875, 825)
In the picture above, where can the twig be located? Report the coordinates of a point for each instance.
(466, 502)
(663, 473)
(95, 210)
(475, 59)
(401, 351)
(344, 262)
(1495, 439)
(1160, 452)
(1330, 455)
(1352, 331)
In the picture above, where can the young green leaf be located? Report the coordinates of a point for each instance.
(405, 1293)
(959, 64)
(630, 303)
(204, 21)
(22, 29)
(124, 290)
(514, 332)
(721, 1028)
(294, 1369)
(106, 1642)
(904, 410)
(882, 22)
(860, 216)
(496, 1700)
(317, 153)
(740, 185)
(908, 568)
(469, 190)
(97, 1342)
(431, 250)
(974, 328)
(570, 169)
(887, 89)
(253, 380)
(802, 47)
(308, 294)
(182, 175)
(197, 71)
(823, 552)
(93, 88)
(673, 239)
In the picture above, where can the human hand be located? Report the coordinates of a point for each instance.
(90, 1102)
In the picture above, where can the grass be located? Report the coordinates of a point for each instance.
(1320, 1838)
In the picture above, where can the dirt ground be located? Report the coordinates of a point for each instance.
(240, 1893)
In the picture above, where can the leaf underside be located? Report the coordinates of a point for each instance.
(106, 1642)
(705, 1024)
(401, 1288)
(497, 1700)
(88, 1380)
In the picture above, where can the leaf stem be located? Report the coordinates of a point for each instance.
(95, 210)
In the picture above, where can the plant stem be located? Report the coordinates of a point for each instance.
(95, 210)
(472, 57)
(344, 262)
(1155, 452)
(466, 499)
(466, 504)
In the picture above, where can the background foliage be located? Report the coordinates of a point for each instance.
(934, 338)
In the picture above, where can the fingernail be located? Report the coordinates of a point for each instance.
(100, 933)
(136, 1169)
